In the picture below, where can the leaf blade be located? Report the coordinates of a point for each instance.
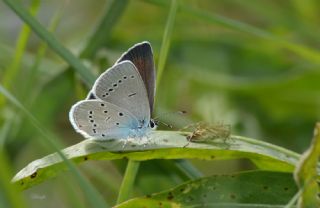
(161, 145)
(246, 189)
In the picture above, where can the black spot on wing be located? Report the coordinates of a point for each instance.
(132, 94)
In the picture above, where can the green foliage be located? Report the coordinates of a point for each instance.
(306, 174)
(252, 65)
(225, 191)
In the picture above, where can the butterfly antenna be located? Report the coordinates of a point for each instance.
(167, 125)
(168, 113)
(157, 121)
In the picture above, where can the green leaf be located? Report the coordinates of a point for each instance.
(306, 173)
(160, 145)
(247, 189)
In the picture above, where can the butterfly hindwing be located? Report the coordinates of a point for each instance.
(101, 120)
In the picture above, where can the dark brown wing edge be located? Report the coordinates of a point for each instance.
(142, 57)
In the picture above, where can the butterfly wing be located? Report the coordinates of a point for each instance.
(123, 86)
(101, 120)
(142, 57)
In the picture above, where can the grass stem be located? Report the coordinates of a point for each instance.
(126, 187)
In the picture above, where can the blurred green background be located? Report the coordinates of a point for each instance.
(251, 64)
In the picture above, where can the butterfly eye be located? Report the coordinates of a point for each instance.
(152, 124)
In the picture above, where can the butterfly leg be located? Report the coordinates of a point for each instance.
(125, 143)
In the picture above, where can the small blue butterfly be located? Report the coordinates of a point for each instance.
(120, 104)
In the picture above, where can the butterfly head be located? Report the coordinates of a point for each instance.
(153, 124)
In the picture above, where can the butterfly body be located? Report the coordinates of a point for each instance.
(119, 104)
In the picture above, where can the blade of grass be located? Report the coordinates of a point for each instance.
(166, 40)
(13, 69)
(188, 169)
(11, 197)
(306, 173)
(91, 193)
(41, 52)
(101, 35)
(52, 42)
(27, 94)
(128, 181)
(113, 13)
(294, 199)
(307, 53)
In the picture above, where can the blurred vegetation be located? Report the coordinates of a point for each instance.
(251, 64)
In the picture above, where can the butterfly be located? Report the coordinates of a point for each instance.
(120, 103)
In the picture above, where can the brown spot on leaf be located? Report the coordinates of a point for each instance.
(33, 175)
(286, 188)
(232, 196)
(85, 158)
(212, 157)
(170, 196)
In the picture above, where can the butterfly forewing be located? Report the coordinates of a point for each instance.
(102, 120)
(123, 86)
(141, 56)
